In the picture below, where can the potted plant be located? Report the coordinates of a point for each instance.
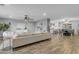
(3, 27)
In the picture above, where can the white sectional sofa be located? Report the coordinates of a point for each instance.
(25, 39)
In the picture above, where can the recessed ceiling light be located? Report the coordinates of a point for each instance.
(44, 14)
(11, 16)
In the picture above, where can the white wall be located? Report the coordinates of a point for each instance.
(44, 25)
(55, 25)
(31, 27)
(18, 24)
(75, 26)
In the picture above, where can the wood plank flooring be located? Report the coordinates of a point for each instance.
(57, 45)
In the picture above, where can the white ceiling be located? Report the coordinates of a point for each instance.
(36, 11)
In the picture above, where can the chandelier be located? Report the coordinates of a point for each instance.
(27, 18)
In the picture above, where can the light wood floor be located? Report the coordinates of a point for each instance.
(57, 45)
